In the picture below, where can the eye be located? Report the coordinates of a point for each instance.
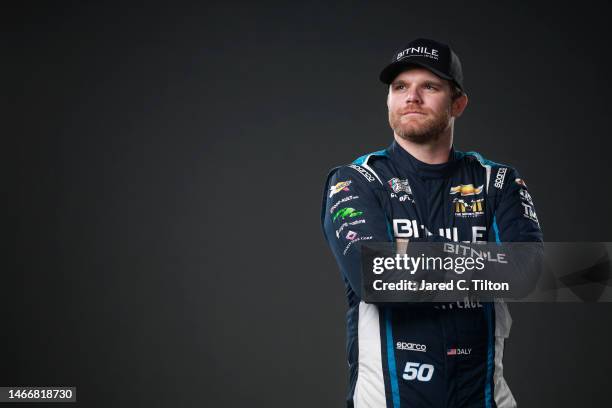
(399, 87)
(430, 87)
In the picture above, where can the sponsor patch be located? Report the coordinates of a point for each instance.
(402, 345)
(466, 190)
(500, 176)
(344, 200)
(458, 351)
(404, 228)
(346, 224)
(345, 213)
(468, 209)
(420, 51)
(398, 185)
(351, 235)
(530, 213)
(527, 202)
(363, 172)
(356, 240)
(526, 196)
(338, 187)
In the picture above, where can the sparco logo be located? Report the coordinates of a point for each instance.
(410, 346)
(418, 52)
(363, 172)
(499, 178)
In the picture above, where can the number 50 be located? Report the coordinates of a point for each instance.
(422, 372)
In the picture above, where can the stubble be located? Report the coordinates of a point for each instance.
(421, 130)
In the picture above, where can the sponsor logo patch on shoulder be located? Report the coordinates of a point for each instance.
(338, 187)
(527, 203)
(363, 172)
(500, 176)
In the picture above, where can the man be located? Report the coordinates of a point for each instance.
(421, 189)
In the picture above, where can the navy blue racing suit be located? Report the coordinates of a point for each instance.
(426, 355)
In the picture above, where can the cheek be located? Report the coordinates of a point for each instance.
(442, 106)
(395, 104)
(390, 103)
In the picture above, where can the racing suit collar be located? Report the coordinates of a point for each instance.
(409, 163)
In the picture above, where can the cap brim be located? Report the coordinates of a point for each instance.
(392, 70)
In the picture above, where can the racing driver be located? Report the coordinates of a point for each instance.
(421, 189)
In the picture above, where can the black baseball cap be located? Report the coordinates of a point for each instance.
(435, 56)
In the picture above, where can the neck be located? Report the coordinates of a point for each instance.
(434, 152)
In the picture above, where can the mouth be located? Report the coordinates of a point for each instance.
(412, 115)
(412, 112)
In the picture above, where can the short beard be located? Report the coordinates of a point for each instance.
(429, 132)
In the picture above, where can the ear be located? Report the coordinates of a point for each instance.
(459, 105)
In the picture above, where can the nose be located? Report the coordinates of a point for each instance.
(412, 95)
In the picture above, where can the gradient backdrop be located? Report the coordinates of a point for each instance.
(165, 168)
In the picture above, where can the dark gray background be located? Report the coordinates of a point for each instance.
(166, 165)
